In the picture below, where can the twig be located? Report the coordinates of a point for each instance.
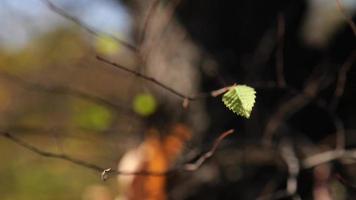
(281, 194)
(280, 48)
(341, 80)
(66, 91)
(344, 181)
(105, 172)
(346, 16)
(147, 20)
(287, 152)
(213, 93)
(340, 142)
(322, 158)
(170, 9)
(86, 27)
(207, 155)
(290, 158)
(50, 154)
(148, 78)
(289, 107)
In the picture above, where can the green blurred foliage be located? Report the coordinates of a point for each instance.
(25, 175)
(91, 116)
(53, 48)
(106, 45)
(28, 176)
(144, 104)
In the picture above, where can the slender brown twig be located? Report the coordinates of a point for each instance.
(290, 158)
(341, 80)
(106, 172)
(213, 93)
(85, 26)
(148, 78)
(286, 109)
(64, 90)
(48, 154)
(196, 165)
(346, 16)
(280, 48)
(147, 20)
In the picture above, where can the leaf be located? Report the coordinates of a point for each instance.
(240, 99)
(144, 104)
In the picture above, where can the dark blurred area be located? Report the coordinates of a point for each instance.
(57, 96)
(244, 38)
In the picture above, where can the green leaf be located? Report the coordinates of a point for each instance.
(240, 99)
(144, 104)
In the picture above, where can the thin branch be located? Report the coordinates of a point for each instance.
(346, 16)
(329, 156)
(106, 172)
(280, 48)
(148, 78)
(213, 93)
(341, 80)
(48, 154)
(340, 142)
(169, 11)
(322, 158)
(85, 26)
(148, 19)
(286, 109)
(66, 91)
(281, 194)
(345, 182)
(207, 155)
(290, 158)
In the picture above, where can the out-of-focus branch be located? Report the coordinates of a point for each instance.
(106, 172)
(329, 156)
(341, 80)
(346, 16)
(280, 48)
(66, 91)
(170, 9)
(213, 93)
(147, 20)
(207, 155)
(289, 107)
(86, 27)
(148, 78)
(292, 161)
(34, 149)
(281, 194)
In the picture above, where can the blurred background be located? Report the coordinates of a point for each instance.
(56, 95)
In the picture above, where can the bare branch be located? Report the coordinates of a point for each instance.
(292, 161)
(280, 48)
(86, 27)
(66, 91)
(341, 80)
(346, 16)
(162, 85)
(106, 172)
(289, 107)
(329, 156)
(322, 158)
(50, 154)
(281, 194)
(147, 20)
(207, 155)
(148, 78)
